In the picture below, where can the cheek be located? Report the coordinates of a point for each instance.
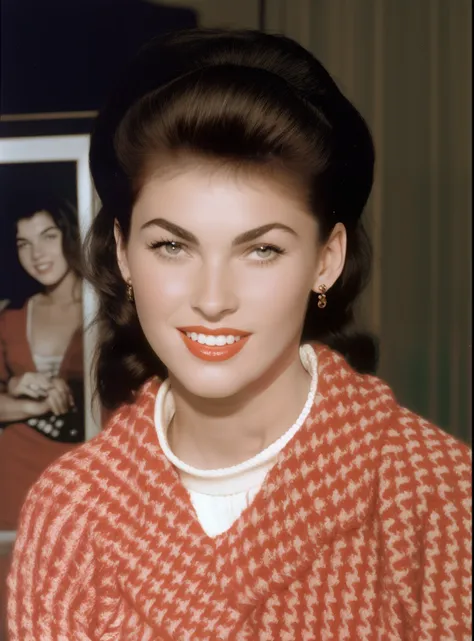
(280, 292)
(55, 252)
(158, 287)
(160, 291)
(24, 256)
(57, 249)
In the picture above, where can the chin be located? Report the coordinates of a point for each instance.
(209, 382)
(211, 387)
(213, 392)
(50, 280)
(45, 282)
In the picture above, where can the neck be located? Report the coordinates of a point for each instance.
(209, 435)
(65, 292)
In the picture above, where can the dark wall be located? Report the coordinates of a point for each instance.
(61, 56)
(64, 55)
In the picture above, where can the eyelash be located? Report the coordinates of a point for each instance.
(277, 251)
(165, 243)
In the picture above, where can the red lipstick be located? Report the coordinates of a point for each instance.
(214, 353)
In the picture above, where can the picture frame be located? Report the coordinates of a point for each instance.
(58, 153)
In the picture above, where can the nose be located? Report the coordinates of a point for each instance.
(36, 251)
(214, 295)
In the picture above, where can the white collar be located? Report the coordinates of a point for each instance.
(164, 412)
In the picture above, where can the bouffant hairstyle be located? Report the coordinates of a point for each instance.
(250, 100)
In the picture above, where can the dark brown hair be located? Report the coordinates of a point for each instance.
(250, 100)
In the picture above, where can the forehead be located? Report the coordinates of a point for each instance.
(35, 224)
(205, 195)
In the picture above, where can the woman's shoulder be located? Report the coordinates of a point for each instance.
(12, 320)
(418, 435)
(53, 544)
(411, 448)
(373, 397)
(412, 443)
(74, 490)
(434, 462)
(69, 488)
(72, 478)
(90, 466)
(424, 478)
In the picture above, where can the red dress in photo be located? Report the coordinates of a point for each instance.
(25, 453)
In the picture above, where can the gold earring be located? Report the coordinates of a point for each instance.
(322, 300)
(130, 295)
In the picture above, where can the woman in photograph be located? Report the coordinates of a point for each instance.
(41, 362)
(256, 480)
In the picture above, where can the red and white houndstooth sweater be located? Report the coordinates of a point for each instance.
(362, 530)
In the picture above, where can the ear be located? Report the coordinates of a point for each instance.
(121, 250)
(332, 259)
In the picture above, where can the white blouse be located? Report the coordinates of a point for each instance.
(49, 365)
(220, 496)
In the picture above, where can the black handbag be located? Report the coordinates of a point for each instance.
(65, 428)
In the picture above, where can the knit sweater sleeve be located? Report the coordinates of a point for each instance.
(51, 582)
(426, 503)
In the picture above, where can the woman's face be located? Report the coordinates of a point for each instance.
(222, 267)
(39, 245)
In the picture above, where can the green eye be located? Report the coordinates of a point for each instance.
(167, 248)
(172, 248)
(265, 251)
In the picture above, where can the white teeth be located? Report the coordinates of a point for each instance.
(211, 340)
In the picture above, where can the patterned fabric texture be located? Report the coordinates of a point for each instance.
(361, 530)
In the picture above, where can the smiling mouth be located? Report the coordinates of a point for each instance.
(43, 267)
(213, 345)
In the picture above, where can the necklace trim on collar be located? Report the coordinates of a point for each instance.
(164, 411)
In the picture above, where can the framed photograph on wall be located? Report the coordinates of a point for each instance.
(47, 203)
(54, 169)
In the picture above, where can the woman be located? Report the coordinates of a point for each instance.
(41, 367)
(267, 488)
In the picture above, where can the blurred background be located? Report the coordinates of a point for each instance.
(406, 64)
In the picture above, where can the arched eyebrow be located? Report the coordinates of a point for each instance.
(245, 237)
